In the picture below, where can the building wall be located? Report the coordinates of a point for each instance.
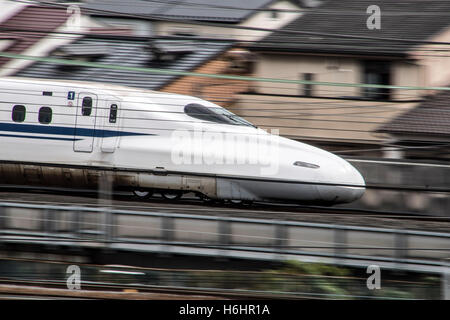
(435, 60)
(139, 27)
(319, 119)
(293, 67)
(333, 69)
(264, 19)
(406, 73)
(260, 19)
(167, 28)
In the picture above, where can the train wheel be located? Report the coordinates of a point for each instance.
(241, 203)
(211, 201)
(205, 199)
(171, 195)
(143, 194)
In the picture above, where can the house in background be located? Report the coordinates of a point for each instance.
(421, 133)
(178, 18)
(176, 55)
(24, 29)
(233, 61)
(36, 30)
(95, 44)
(345, 118)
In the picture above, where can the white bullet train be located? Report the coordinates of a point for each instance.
(71, 134)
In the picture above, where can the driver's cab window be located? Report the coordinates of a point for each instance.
(217, 114)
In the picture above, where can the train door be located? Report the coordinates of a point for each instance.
(85, 122)
(111, 126)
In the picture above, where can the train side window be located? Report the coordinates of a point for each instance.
(45, 115)
(86, 106)
(18, 113)
(113, 113)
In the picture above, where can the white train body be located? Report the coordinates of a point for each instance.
(61, 133)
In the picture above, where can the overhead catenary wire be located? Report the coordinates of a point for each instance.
(214, 38)
(319, 103)
(321, 93)
(249, 116)
(306, 82)
(315, 10)
(215, 41)
(309, 119)
(446, 43)
(341, 114)
(211, 75)
(217, 38)
(149, 17)
(294, 116)
(191, 121)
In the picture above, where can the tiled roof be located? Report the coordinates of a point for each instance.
(431, 117)
(131, 54)
(83, 49)
(204, 10)
(411, 19)
(30, 25)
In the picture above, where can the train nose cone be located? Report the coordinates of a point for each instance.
(356, 186)
(346, 185)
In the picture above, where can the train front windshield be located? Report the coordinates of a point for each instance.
(218, 115)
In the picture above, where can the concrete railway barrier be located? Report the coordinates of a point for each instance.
(259, 239)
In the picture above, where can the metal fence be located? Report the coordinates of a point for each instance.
(421, 188)
(223, 236)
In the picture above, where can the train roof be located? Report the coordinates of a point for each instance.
(104, 88)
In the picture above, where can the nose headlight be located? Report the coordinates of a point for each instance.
(306, 165)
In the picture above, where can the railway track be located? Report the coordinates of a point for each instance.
(51, 289)
(191, 205)
(48, 281)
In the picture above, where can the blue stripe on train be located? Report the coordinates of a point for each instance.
(66, 131)
(37, 137)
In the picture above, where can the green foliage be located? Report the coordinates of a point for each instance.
(320, 280)
(320, 269)
(393, 293)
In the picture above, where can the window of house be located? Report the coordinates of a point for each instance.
(183, 32)
(45, 115)
(274, 14)
(376, 72)
(86, 106)
(307, 88)
(18, 113)
(113, 113)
